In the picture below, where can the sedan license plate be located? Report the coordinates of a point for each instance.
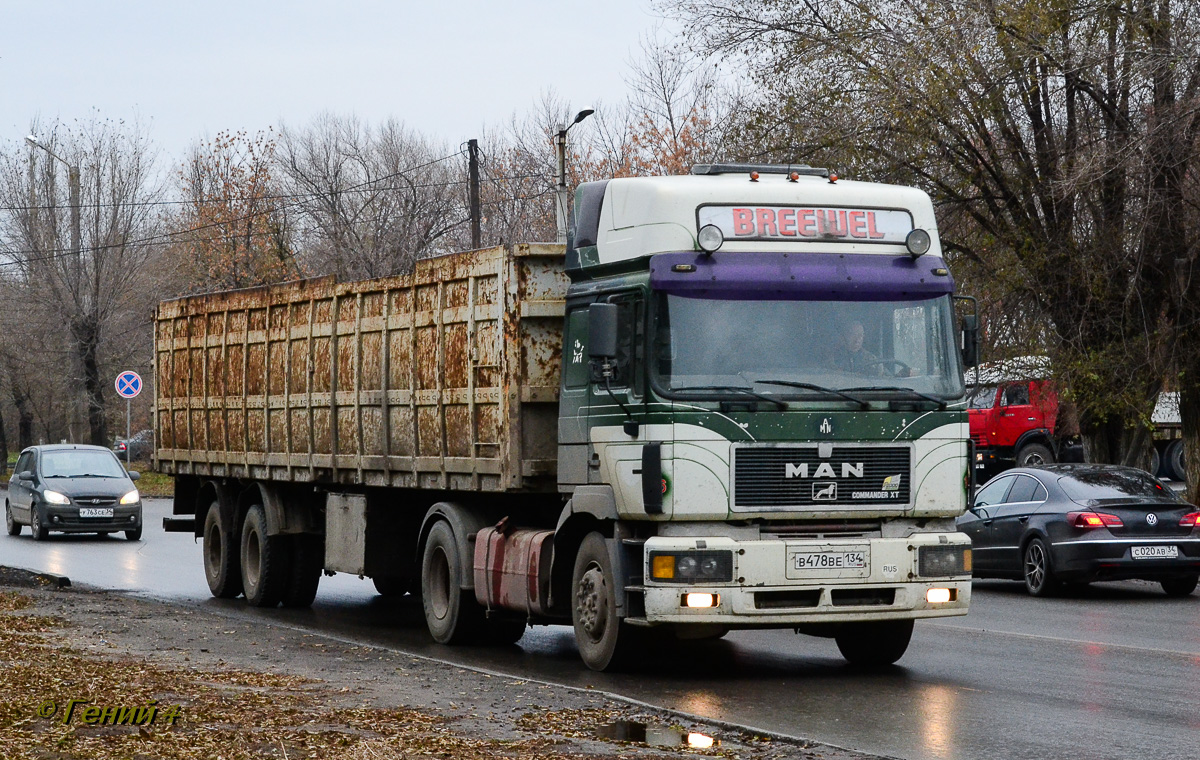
(1154, 552)
(95, 512)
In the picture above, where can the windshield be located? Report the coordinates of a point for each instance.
(903, 348)
(981, 397)
(1122, 484)
(79, 464)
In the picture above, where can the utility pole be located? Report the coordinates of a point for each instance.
(473, 191)
(560, 149)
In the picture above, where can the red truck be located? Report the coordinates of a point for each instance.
(1016, 420)
(1014, 416)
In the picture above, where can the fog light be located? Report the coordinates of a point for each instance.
(133, 518)
(54, 518)
(701, 600)
(939, 595)
(710, 238)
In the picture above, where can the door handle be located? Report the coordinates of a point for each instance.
(988, 522)
(1023, 520)
(1030, 419)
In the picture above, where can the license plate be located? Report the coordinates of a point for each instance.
(829, 560)
(1154, 552)
(95, 512)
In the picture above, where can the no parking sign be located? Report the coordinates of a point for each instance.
(129, 384)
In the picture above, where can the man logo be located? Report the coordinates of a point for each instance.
(826, 426)
(824, 492)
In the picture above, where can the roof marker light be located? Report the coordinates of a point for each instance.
(754, 176)
(832, 179)
(793, 176)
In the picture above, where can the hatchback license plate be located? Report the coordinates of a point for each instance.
(95, 512)
(1155, 552)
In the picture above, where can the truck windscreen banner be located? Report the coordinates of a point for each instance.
(849, 225)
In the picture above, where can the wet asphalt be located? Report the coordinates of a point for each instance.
(1112, 672)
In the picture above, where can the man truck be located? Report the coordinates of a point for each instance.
(647, 433)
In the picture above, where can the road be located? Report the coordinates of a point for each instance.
(1110, 673)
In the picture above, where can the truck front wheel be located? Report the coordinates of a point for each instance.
(604, 642)
(266, 560)
(452, 615)
(874, 644)
(1034, 455)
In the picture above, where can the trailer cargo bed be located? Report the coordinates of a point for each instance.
(445, 379)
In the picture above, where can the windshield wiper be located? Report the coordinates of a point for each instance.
(941, 404)
(736, 389)
(86, 475)
(819, 388)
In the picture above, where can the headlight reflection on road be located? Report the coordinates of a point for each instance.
(938, 705)
(53, 560)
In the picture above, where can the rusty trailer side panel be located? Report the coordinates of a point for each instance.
(443, 379)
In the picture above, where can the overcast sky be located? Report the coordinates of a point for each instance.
(187, 70)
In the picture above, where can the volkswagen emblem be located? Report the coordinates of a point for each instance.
(1152, 519)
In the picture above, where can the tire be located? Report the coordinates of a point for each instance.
(1175, 466)
(131, 535)
(40, 531)
(103, 533)
(1156, 463)
(503, 631)
(266, 560)
(14, 527)
(308, 560)
(605, 642)
(451, 614)
(1037, 569)
(220, 550)
(1034, 455)
(1180, 586)
(874, 645)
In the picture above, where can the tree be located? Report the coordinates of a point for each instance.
(76, 282)
(1057, 138)
(232, 231)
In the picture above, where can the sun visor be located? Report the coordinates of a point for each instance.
(801, 276)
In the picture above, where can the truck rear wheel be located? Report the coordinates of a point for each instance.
(308, 559)
(874, 645)
(1034, 455)
(266, 560)
(1174, 465)
(221, 568)
(452, 614)
(605, 642)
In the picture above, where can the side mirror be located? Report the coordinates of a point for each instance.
(25, 475)
(134, 475)
(602, 331)
(970, 340)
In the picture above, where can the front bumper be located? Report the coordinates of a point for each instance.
(66, 519)
(766, 591)
(1111, 559)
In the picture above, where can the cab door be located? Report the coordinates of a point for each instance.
(1017, 414)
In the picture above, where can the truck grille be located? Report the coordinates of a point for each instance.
(790, 477)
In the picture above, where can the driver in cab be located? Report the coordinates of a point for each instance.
(848, 354)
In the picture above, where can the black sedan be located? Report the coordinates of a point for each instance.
(1078, 523)
(72, 489)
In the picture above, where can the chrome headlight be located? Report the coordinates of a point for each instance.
(133, 497)
(54, 497)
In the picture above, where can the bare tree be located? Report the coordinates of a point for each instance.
(86, 276)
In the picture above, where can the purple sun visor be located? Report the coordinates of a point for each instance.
(801, 276)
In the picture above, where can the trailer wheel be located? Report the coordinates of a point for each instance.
(874, 645)
(308, 559)
(1175, 465)
(452, 615)
(605, 642)
(265, 560)
(221, 568)
(1034, 455)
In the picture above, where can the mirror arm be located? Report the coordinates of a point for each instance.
(631, 427)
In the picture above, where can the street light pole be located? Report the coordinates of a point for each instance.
(560, 149)
(73, 188)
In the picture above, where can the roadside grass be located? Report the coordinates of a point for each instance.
(153, 483)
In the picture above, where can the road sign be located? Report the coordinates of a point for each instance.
(129, 384)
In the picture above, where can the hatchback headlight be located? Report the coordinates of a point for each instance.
(131, 498)
(54, 497)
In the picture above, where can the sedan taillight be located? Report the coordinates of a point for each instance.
(1190, 520)
(1093, 520)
